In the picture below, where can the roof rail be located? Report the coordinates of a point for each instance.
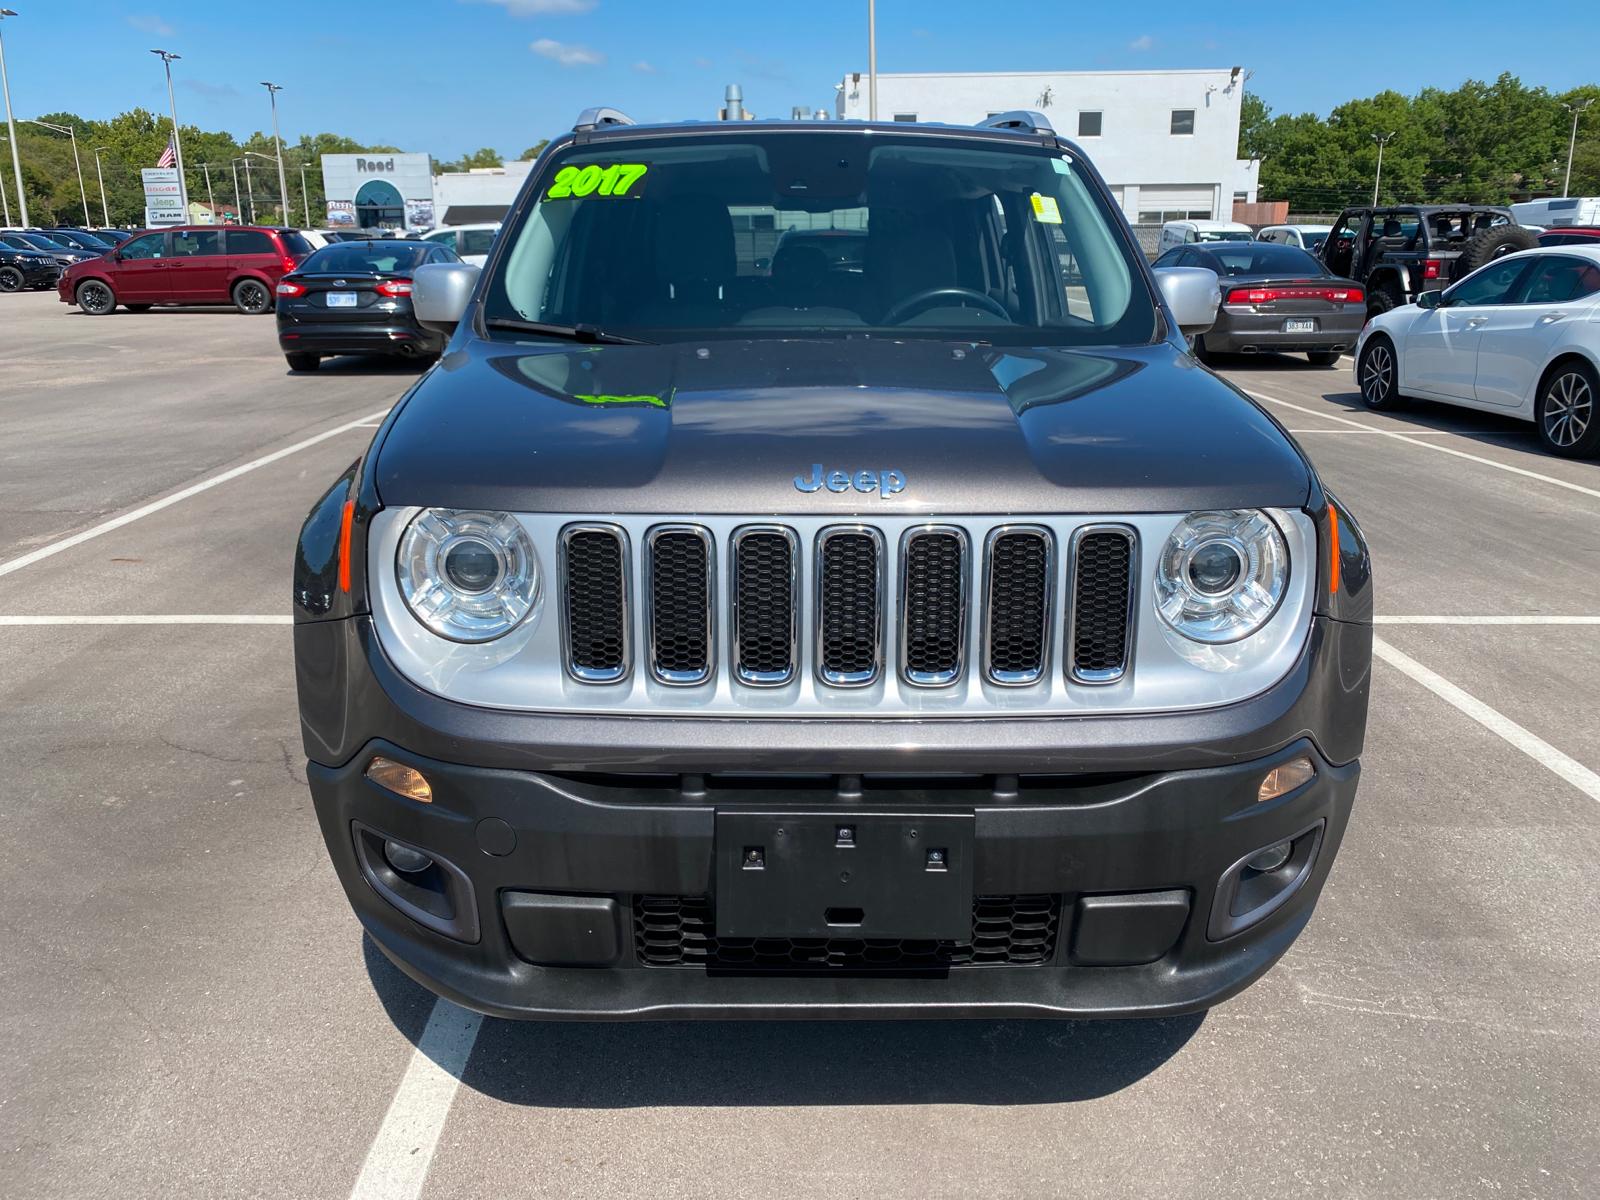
(598, 118)
(1022, 120)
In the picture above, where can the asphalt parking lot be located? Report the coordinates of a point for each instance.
(190, 1007)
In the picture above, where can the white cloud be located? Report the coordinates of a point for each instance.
(540, 8)
(151, 24)
(1142, 42)
(566, 53)
(644, 68)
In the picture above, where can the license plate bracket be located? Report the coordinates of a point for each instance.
(341, 299)
(1300, 325)
(844, 874)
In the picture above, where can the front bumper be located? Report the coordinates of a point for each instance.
(1240, 331)
(552, 873)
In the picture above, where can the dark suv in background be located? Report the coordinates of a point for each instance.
(187, 264)
(21, 269)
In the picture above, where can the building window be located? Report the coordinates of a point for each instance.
(1089, 124)
(1241, 197)
(911, 117)
(1182, 121)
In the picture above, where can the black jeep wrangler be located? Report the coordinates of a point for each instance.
(1402, 250)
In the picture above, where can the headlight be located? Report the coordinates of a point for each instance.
(468, 576)
(1221, 575)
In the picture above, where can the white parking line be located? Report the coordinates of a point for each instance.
(1535, 747)
(154, 619)
(1530, 619)
(194, 489)
(398, 1161)
(1401, 437)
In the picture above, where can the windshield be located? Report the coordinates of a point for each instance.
(1261, 258)
(39, 242)
(368, 258)
(799, 234)
(81, 241)
(1224, 235)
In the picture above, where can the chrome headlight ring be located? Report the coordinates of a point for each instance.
(466, 574)
(1221, 575)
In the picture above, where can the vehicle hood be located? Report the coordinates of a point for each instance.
(751, 426)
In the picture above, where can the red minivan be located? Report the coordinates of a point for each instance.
(187, 264)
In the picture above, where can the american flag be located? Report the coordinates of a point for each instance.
(169, 156)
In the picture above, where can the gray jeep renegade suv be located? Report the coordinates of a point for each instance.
(894, 621)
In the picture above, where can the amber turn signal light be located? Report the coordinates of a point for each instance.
(1281, 779)
(400, 779)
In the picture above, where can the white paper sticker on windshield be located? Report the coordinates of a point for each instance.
(1045, 209)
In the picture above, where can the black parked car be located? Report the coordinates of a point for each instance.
(115, 236)
(1275, 300)
(81, 238)
(355, 298)
(64, 254)
(26, 268)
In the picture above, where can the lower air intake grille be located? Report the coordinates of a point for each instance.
(680, 931)
(1102, 565)
(1019, 605)
(933, 613)
(595, 607)
(680, 605)
(764, 605)
(849, 606)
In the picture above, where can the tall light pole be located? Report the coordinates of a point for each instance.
(305, 196)
(1383, 140)
(83, 195)
(283, 182)
(210, 198)
(872, 60)
(5, 198)
(283, 195)
(167, 59)
(238, 207)
(11, 124)
(100, 175)
(1572, 144)
(249, 188)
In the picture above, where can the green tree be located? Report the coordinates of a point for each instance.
(535, 150)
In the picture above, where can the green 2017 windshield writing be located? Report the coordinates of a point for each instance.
(614, 180)
(653, 401)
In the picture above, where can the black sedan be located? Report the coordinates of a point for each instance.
(355, 298)
(81, 238)
(1275, 300)
(22, 269)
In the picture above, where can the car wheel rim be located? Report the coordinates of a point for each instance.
(252, 297)
(10, 281)
(96, 298)
(1378, 376)
(1568, 410)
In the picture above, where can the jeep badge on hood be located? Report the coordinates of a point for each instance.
(885, 483)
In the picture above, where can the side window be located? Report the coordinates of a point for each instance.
(190, 243)
(476, 241)
(447, 240)
(249, 241)
(1169, 259)
(1182, 122)
(1492, 285)
(1557, 279)
(148, 246)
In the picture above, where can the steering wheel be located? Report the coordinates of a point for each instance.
(926, 298)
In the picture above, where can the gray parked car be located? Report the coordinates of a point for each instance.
(706, 639)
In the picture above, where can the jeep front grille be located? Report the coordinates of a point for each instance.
(994, 587)
(680, 931)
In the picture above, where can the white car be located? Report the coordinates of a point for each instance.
(1184, 233)
(1306, 237)
(1520, 336)
(470, 242)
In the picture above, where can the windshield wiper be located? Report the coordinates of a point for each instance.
(572, 333)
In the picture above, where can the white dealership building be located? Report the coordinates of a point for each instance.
(1165, 141)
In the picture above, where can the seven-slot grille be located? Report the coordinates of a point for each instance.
(853, 621)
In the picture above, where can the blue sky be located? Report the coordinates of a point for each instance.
(448, 76)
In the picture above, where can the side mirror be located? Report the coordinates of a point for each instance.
(1193, 294)
(440, 292)
(1432, 299)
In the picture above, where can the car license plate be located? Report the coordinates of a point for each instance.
(341, 299)
(844, 873)
(1305, 326)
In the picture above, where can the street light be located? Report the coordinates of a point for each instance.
(283, 183)
(305, 196)
(11, 123)
(249, 188)
(238, 208)
(1577, 111)
(210, 198)
(167, 59)
(67, 129)
(1383, 140)
(5, 199)
(284, 196)
(99, 174)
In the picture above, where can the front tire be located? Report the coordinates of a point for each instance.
(1322, 358)
(1566, 414)
(303, 362)
(1383, 299)
(1378, 374)
(11, 279)
(251, 297)
(95, 298)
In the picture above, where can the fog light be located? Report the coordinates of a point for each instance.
(412, 862)
(1286, 778)
(1270, 859)
(400, 779)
